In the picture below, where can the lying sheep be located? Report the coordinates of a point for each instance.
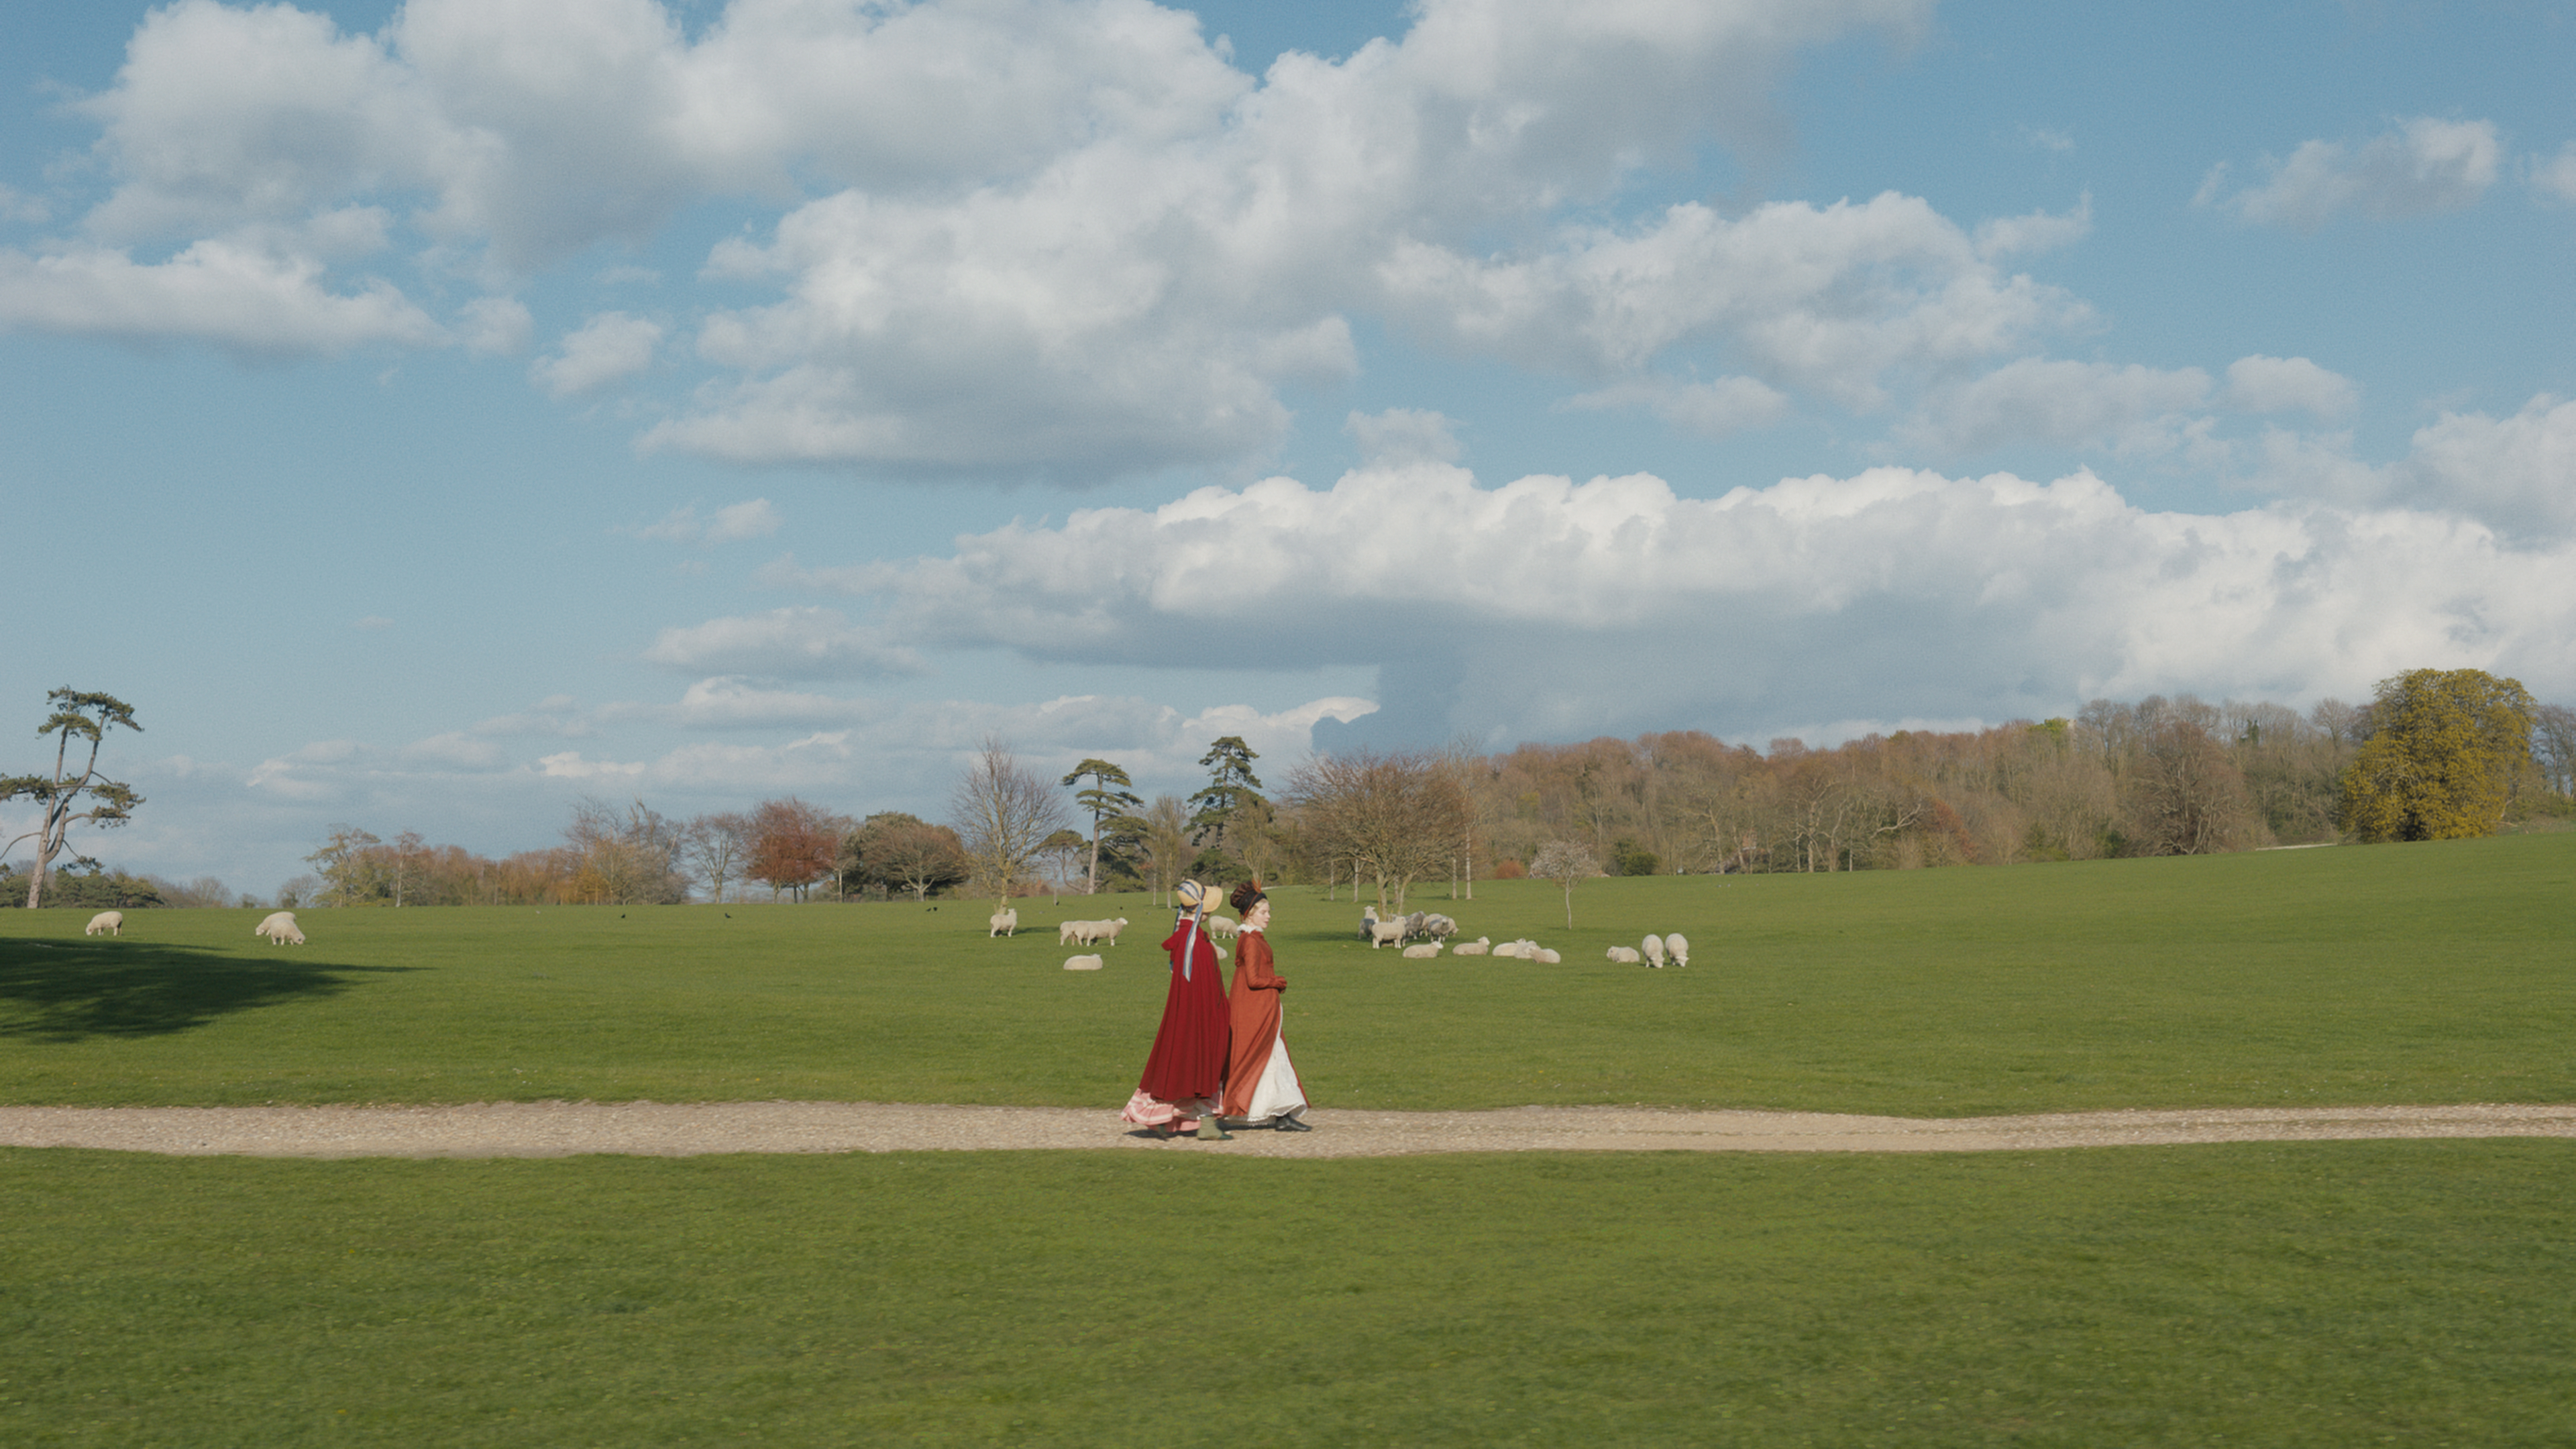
(1006, 922)
(1679, 946)
(1475, 947)
(1546, 957)
(1627, 955)
(1654, 948)
(1081, 963)
(1523, 949)
(1421, 953)
(280, 928)
(109, 922)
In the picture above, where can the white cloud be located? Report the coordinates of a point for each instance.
(2133, 409)
(2555, 176)
(2260, 384)
(496, 326)
(373, 621)
(223, 292)
(2049, 138)
(2518, 471)
(557, 714)
(2425, 165)
(792, 643)
(607, 347)
(2040, 231)
(1555, 609)
(1058, 237)
(1710, 409)
(753, 518)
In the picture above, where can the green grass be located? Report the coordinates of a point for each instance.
(2422, 973)
(2330, 1294)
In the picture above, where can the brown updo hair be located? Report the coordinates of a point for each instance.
(1246, 893)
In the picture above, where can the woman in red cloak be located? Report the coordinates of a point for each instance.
(1261, 1085)
(1185, 1074)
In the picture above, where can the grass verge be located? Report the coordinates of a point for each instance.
(2309, 1294)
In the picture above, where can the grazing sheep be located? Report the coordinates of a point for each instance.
(1547, 958)
(1005, 922)
(1221, 928)
(1475, 947)
(110, 922)
(1679, 946)
(1421, 953)
(1087, 933)
(280, 928)
(1385, 933)
(1625, 955)
(1654, 948)
(1109, 930)
(1439, 927)
(1081, 963)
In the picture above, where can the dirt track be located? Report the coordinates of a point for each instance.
(556, 1129)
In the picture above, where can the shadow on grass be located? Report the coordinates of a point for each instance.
(60, 992)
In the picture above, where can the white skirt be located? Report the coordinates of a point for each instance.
(1277, 1094)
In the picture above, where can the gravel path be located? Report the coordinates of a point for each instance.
(652, 1129)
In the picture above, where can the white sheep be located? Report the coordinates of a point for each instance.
(1089, 933)
(1679, 946)
(1065, 931)
(1437, 927)
(1626, 955)
(1081, 963)
(1521, 949)
(1221, 928)
(1006, 922)
(1654, 948)
(280, 928)
(1386, 933)
(1368, 923)
(1422, 953)
(1547, 958)
(1475, 947)
(105, 922)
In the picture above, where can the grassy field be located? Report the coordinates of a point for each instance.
(2332, 1294)
(2421, 973)
(2313, 1294)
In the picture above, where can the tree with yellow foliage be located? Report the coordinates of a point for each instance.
(2444, 748)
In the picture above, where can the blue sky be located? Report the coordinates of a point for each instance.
(427, 413)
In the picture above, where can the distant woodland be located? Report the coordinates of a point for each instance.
(2158, 776)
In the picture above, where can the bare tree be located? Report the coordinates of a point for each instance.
(1003, 815)
(1565, 862)
(1160, 842)
(1395, 818)
(714, 847)
(2553, 746)
(628, 857)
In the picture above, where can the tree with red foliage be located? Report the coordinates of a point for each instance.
(792, 845)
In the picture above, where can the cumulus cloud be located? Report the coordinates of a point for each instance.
(2517, 471)
(1058, 237)
(1556, 609)
(16, 205)
(2260, 384)
(610, 346)
(496, 326)
(792, 643)
(2423, 166)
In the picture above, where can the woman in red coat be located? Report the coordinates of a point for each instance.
(1261, 1083)
(1185, 1074)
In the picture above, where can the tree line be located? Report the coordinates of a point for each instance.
(2435, 754)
